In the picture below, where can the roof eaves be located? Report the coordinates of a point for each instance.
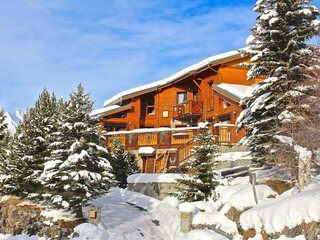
(112, 111)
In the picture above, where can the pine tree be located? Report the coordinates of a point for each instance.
(4, 143)
(30, 147)
(78, 169)
(3, 125)
(202, 184)
(123, 163)
(277, 46)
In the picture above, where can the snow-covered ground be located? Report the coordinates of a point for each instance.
(130, 215)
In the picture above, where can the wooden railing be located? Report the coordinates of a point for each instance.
(161, 162)
(185, 151)
(190, 107)
(162, 138)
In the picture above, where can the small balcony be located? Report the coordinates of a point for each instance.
(189, 111)
(160, 138)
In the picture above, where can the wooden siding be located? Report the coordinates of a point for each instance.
(225, 134)
(162, 139)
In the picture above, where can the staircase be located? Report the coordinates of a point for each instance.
(161, 161)
(184, 152)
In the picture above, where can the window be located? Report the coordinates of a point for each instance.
(150, 106)
(165, 113)
(150, 110)
(224, 104)
(181, 97)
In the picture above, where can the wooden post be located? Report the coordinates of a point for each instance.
(253, 181)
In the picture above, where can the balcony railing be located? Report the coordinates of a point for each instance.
(158, 138)
(188, 110)
(172, 137)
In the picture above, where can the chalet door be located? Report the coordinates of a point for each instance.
(149, 165)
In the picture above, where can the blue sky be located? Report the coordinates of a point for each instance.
(109, 45)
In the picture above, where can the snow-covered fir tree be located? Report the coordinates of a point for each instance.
(277, 46)
(300, 128)
(123, 162)
(3, 125)
(29, 147)
(4, 141)
(78, 169)
(202, 183)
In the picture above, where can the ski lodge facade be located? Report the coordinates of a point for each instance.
(157, 121)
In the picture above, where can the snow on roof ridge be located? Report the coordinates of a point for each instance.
(236, 90)
(104, 109)
(117, 98)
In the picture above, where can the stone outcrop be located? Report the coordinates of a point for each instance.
(18, 217)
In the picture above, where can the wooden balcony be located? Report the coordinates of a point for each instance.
(160, 138)
(188, 111)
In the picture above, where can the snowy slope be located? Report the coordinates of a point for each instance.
(134, 216)
(13, 119)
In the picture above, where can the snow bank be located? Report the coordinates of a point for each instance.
(58, 214)
(233, 156)
(217, 219)
(205, 234)
(240, 195)
(90, 231)
(285, 211)
(152, 178)
(21, 237)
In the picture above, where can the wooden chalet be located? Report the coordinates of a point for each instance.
(158, 120)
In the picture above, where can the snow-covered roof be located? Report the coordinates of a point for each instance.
(235, 91)
(185, 72)
(109, 109)
(149, 130)
(146, 151)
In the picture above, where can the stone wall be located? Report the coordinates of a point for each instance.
(18, 217)
(158, 190)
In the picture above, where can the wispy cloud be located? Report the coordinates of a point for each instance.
(111, 45)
